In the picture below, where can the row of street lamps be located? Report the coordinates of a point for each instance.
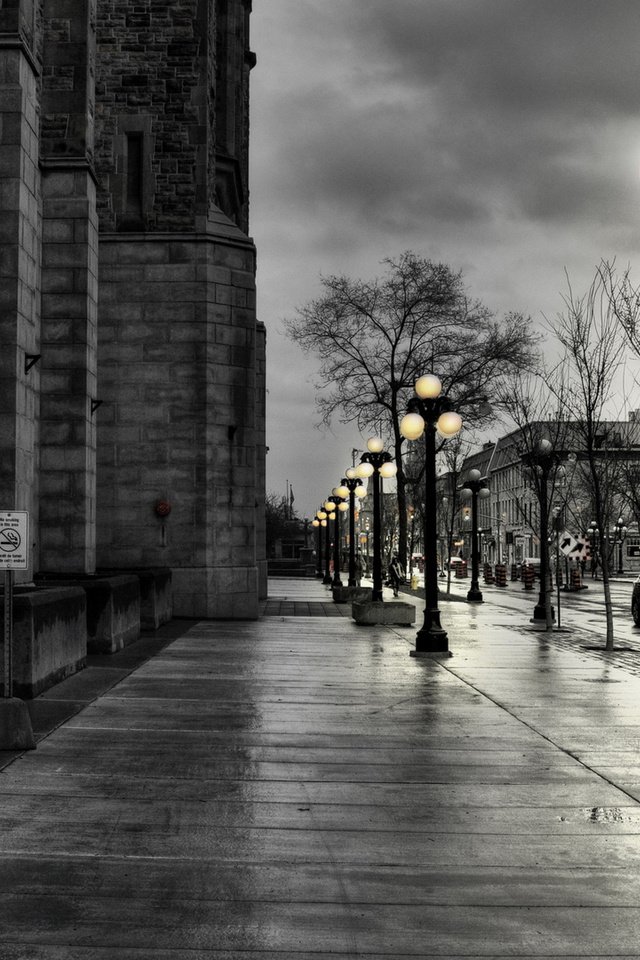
(430, 413)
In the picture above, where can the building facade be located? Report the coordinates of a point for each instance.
(132, 363)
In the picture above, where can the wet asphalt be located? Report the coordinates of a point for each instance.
(300, 787)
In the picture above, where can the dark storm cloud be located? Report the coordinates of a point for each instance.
(457, 104)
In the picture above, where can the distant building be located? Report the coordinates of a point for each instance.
(509, 520)
(131, 360)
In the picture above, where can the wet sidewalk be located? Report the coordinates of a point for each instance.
(301, 788)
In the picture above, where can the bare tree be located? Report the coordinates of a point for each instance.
(541, 444)
(589, 330)
(375, 338)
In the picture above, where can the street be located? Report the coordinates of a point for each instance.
(583, 610)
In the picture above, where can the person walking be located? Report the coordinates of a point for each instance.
(396, 574)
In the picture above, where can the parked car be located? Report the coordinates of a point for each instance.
(454, 561)
(635, 603)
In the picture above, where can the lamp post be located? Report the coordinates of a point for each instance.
(329, 509)
(377, 464)
(475, 488)
(429, 412)
(353, 484)
(619, 536)
(319, 521)
(540, 463)
(338, 499)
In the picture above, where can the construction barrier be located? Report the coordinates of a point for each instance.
(461, 570)
(575, 582)
(515, 571)
(501, 575)
(528, 576)
(488, 573)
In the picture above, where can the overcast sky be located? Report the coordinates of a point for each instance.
(499, 136)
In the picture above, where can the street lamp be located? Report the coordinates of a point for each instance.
(430, 412)
(619, 536)
(475, 488)
(540, 463)
(376, 463)
(354, 486)
(319, 521)
(338, 498)
(329, 508)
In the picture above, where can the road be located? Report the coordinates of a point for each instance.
(583, 610)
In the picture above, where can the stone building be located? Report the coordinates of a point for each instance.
(131, 360)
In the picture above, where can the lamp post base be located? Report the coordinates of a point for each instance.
(475, 595)
(540, 613)
(431, 638)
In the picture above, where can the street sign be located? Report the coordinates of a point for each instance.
(14, 540)
(571, 546)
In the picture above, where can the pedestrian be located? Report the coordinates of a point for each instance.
(396, 574)
(359, 568)
(594, 567)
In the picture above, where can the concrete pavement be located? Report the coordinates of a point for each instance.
(300, 787)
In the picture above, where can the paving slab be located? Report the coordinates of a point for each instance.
(300, 787)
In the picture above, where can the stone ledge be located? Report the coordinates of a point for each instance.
(372, 612)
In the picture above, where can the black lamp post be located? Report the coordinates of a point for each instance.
(430, 411)
(619, 536)
(319, 521)
(327, 552)
(540, 464)
(376, 463)
(338, 499)
(353, 484)
(474, 488)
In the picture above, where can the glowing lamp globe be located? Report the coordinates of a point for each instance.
(375, 445)
(412, 426)
(341, 492)
(323, 523)
(343, 507)
(360, 492)
(351, 473)
(428, 387)
(449, 424)
(365, 470)
(315, 523)
(321, 515)
(387, 470)
(329, 506)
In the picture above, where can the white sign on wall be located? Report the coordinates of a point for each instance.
(14, 540)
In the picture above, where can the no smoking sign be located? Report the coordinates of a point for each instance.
(14, 540)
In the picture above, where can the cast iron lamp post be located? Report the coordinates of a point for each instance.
(338, 499)
(619, 536)
(540, 463)
(475, 488)
(429, 412)
(376, 463)
(319, 521)
(329, 509)
(351, 482)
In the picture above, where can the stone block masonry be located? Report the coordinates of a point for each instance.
(127, 283)
(181, 387)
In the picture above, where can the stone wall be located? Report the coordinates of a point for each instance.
(19, 267)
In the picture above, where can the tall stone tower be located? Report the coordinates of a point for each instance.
(138, 438)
